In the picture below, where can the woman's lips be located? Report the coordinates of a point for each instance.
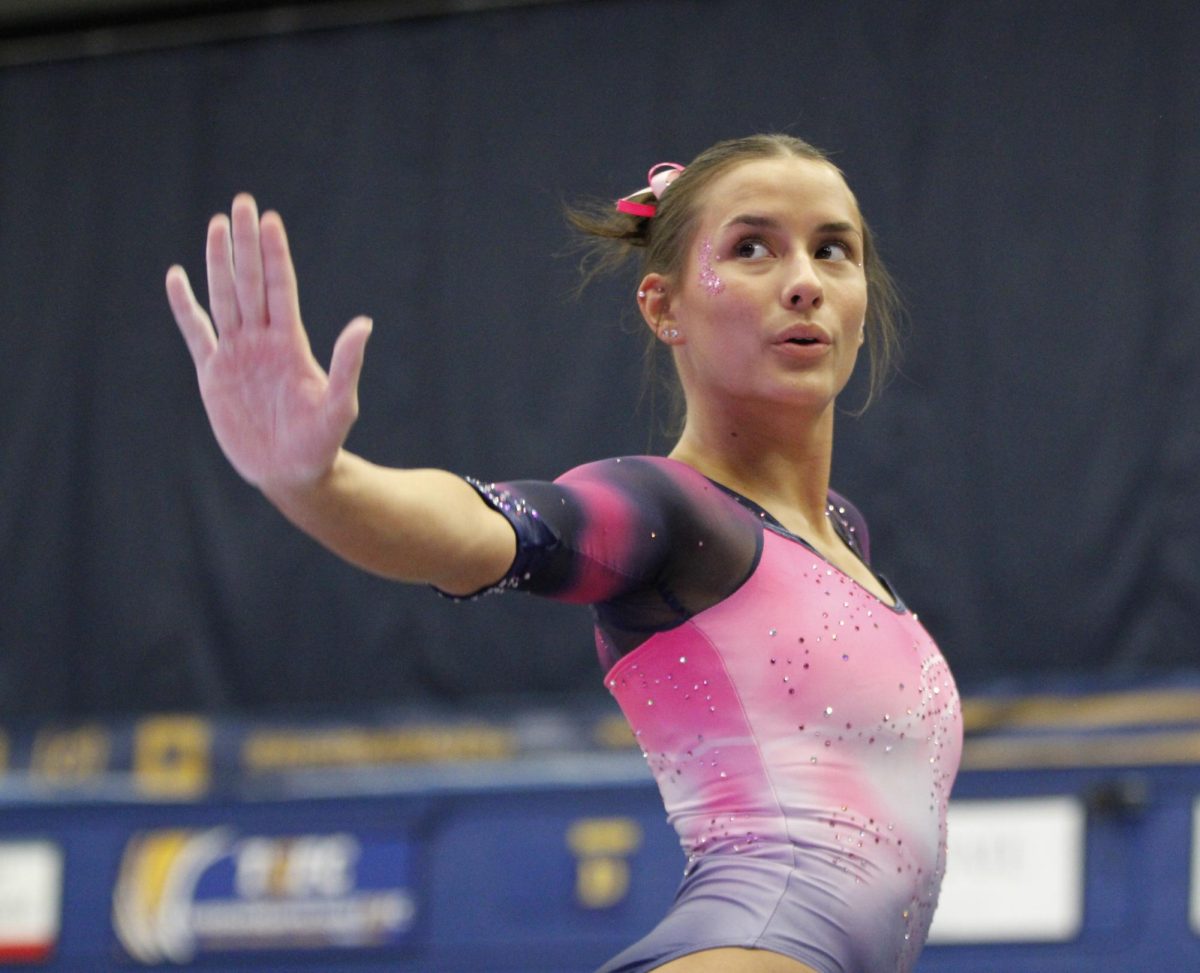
(802, 341)
(799, 348)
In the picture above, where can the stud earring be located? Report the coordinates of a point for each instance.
(668, 334)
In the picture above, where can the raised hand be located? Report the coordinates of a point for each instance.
(278, 417)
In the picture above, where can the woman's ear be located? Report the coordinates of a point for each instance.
(654, 301)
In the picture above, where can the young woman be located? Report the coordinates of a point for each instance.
(802, 726)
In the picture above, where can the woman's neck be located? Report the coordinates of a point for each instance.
(780, 462)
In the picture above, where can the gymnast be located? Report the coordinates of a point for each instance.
(802, 726)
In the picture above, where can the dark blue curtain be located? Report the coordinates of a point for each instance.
(1030, 169)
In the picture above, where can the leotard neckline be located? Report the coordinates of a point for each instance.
(771, 522)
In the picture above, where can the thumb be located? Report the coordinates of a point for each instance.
(345, 367)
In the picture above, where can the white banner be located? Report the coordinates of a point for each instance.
(30, 899)
(1014, 872)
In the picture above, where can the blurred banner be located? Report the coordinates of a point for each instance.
(238, 893)
(534, 841)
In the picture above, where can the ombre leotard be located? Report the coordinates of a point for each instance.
(804, 734)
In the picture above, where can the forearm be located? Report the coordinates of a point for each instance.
(425, 526)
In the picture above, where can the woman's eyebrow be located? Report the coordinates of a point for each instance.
(838, 227)
(751, 219)
(770, 223)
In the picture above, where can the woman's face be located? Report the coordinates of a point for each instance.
(770, 304)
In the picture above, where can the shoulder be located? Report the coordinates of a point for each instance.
(657, 481)
(650, 469)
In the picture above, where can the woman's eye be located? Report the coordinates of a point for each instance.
(834, 251)
(751, 249)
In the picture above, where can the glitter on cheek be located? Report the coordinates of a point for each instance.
(708, 276)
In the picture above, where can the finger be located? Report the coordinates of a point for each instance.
(345, 367)
(222, 294)
(247, 261)
(193, 322)
(283, 299)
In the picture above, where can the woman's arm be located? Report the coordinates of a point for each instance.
(281, 420)
(426, 526)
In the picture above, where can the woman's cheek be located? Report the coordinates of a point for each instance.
(740, 309)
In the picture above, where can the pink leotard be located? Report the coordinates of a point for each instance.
(803, 733)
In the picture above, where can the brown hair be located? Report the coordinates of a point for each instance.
(665, 237)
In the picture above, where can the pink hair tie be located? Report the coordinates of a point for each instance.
(627, 205)
(659, 178)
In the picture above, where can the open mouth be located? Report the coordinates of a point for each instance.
(802, 341)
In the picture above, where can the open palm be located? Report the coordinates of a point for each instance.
(277, 415)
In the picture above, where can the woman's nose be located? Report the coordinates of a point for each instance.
(804, 290)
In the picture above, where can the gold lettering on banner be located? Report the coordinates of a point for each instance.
(276, 750)
(69, 756)
(602, 847)
(613, 733)
(172, 756)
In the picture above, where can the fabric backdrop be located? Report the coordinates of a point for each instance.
(1030, 477)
